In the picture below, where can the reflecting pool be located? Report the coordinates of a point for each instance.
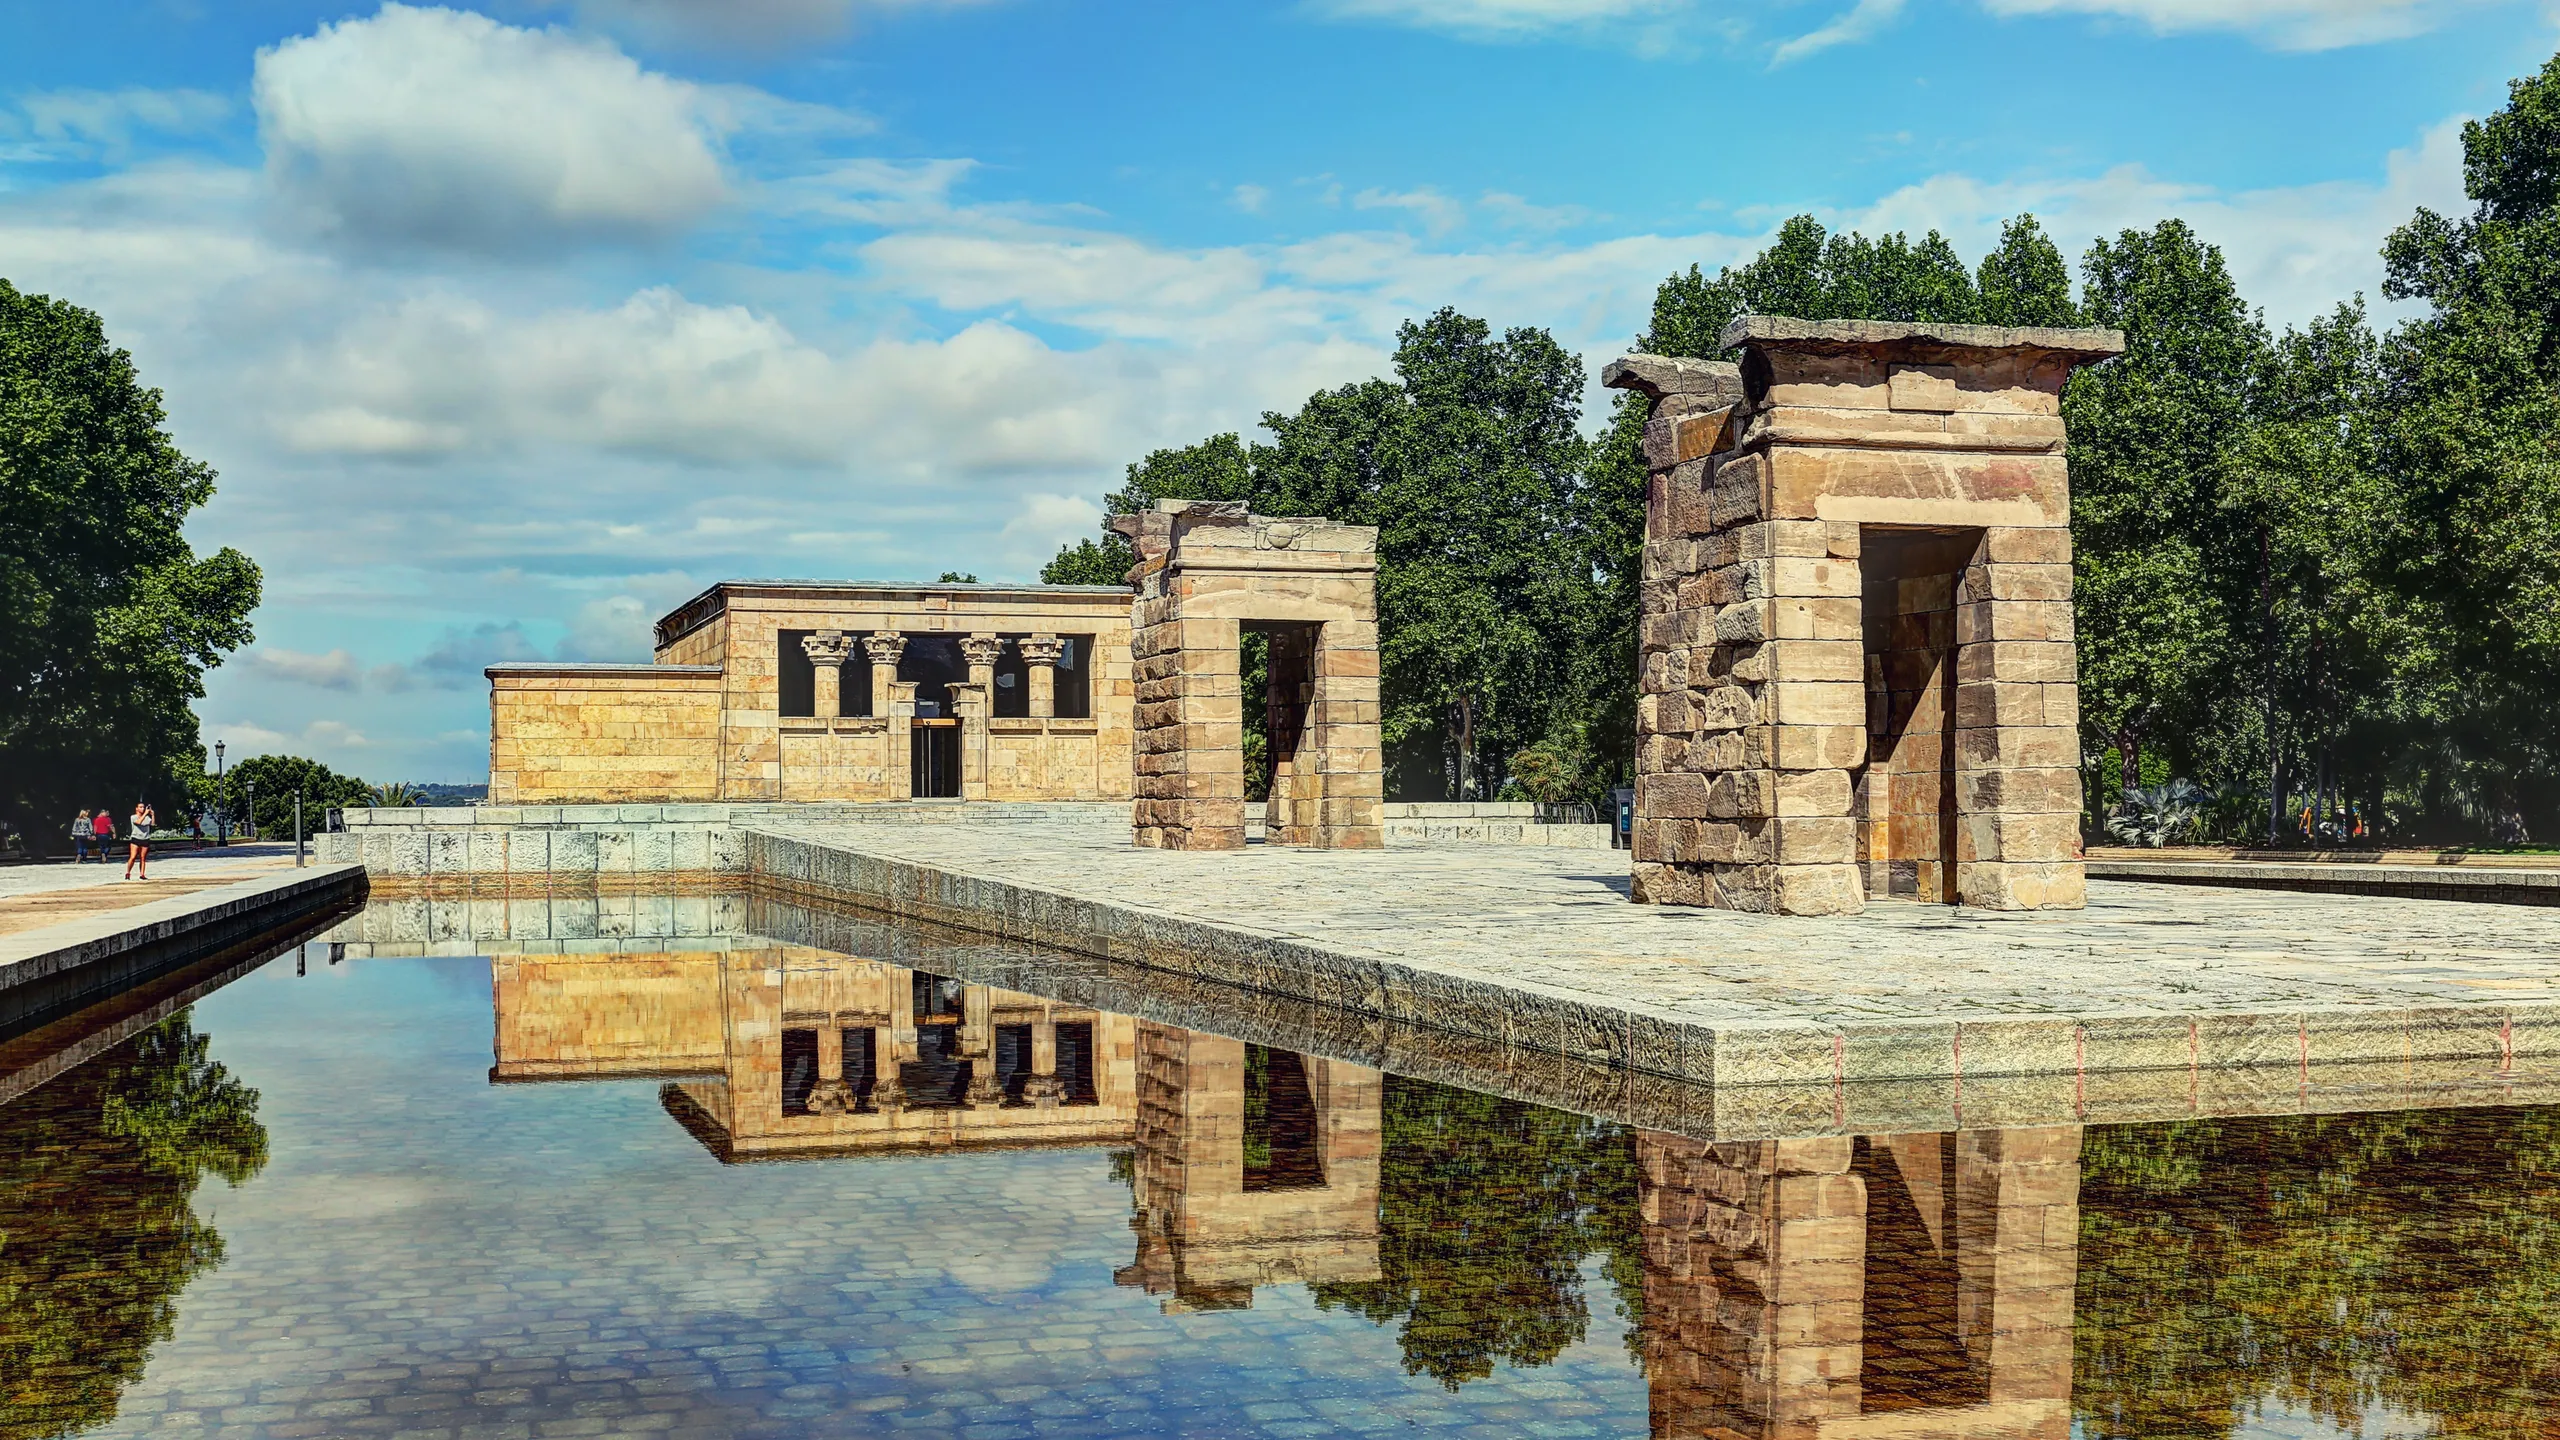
(734, 1186)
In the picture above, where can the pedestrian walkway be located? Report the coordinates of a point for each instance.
(48, 893)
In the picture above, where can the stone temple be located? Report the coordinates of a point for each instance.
(1857, 675)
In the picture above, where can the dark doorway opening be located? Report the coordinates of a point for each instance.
(1916, 1349)
(1281, 1147)
(799, 1070)
(933, 760)
(1906, 796)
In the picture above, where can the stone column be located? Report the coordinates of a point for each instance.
(1040, 656)
(883, 648)
(1044, 1089)
(888, 1092)
(830, 1095)
(827, 651)
(978, 1042)
(974, 705)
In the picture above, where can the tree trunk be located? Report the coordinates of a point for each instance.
(1466, 747)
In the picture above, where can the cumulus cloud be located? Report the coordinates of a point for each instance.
(2285, 24)
(444, 128)
(1251, 198)
(1438, 213)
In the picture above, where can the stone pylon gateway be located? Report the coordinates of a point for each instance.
(1857, 674)
(1207, 572)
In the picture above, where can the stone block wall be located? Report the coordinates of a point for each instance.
(567, 733)
(1207, 572)
(1816, 725)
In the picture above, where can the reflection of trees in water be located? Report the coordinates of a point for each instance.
(98, 1235)
(1487, 1210)
(2327, 1264)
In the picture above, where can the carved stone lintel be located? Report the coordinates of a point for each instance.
(884, 646)
(827, 647)
(1041, 649)
(981, 649)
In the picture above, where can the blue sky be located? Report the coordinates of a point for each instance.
(508, 328)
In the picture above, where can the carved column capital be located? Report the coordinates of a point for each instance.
(981, 649)
(884, 646)
(827, 647)
(1041, 649)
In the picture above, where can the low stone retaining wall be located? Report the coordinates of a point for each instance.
(536, 851)
(2409, 882)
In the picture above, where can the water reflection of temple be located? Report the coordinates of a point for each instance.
(788, 1051)
(1254, 1166)
(1910, 1286)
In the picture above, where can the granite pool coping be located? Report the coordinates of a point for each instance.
(1541, 952)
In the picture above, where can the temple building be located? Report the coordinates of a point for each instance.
(794, 690)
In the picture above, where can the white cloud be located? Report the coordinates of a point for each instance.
(1045, 522)
(444, 128)
(336, 670)
(104, 124)
(1513, 212)
(1859, 22)
(2296, 250)
(1251, 198)
(2285, 24)
(1439, 213)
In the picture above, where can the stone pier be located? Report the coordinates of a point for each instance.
(1206, 573)
(1857, 670)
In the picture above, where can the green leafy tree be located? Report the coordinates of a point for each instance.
(277, 779)
(110, 619)
(957, 577)
(2471, 453)
(2163, 564)
(98, 1172)
(1091, 562)
(1470, 463)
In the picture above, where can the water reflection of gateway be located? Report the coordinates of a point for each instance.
(1917, 1287)
(1255, 1166)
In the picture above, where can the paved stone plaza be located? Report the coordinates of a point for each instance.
(1542, 949)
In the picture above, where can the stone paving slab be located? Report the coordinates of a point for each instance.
(33, 896)
(1542, 951)
(43, 967)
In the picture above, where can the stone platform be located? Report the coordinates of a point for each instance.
(1541, 951)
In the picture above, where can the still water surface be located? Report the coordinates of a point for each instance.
(765, 1190)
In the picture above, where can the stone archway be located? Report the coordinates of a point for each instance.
(1208, 571)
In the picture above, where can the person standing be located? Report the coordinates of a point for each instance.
(81, 835)
(138, 840)
(102, 829)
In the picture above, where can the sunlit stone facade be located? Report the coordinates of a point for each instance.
(781, 691)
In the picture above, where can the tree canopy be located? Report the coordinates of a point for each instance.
(110, 618)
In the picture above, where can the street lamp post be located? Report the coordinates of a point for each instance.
(222, 799)
(249, 811)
